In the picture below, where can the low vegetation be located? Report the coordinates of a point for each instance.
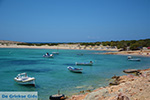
(38, 44)
(133, 44)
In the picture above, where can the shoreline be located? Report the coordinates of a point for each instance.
(53, 47)
(145, 53)
(134, 53)
(130, 86)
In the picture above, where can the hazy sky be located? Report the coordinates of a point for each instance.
(74, 20)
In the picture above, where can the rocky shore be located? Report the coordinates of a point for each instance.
(129, 87)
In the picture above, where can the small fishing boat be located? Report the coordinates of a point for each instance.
(75, 70)
(23, 79)
(48, 55)
(133, 59)
(85, 63)
(131, 71)
(57, 96)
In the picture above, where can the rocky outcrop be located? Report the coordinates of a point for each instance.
(131, 87)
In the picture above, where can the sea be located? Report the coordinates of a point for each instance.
(51, 74)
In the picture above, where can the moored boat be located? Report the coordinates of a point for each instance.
(47, 55)
(133, 59)
(136, 59)
(85, 63)
(23, 79)
(75, 70)
(131, 71)
(57, 96)
(57, 53)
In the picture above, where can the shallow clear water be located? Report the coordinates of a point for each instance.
(52, 74)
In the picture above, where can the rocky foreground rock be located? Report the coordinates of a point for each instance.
(131, 87)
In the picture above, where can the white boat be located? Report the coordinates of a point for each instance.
(48, 56)
(133, 59)
(76, 70)
(57, 97)
(23, 79)
(85, 63)
(57, 53)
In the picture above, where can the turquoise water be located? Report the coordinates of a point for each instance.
(52, 74)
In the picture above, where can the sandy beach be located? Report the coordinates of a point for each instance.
(57, 47)
(137, 53)
(33, 47)
(115, 51)
(130, 87)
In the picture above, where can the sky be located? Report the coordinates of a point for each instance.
(74, 20)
